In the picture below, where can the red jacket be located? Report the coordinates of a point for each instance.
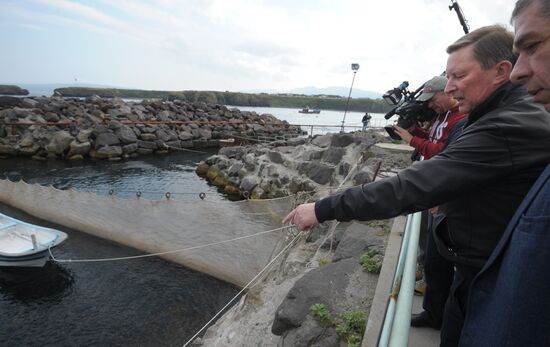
(431, 144)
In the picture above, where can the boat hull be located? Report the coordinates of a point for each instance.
(34, 260)
(25, 244)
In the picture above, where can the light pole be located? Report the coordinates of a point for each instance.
(354, 68)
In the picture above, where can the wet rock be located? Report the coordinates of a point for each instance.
(236, 152)
(28, 151)
(76, 157)
(248, 183)
(107, 152)
(185, 135)
(77, 148)
(147, 144)
(7, 150)
(106, 139)
(126, 135)
(148, 137)
(59, 143)
(130, 148)
(202, 169)
(84, 135)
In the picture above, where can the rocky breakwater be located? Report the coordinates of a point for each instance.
(320, 293)
(283, 168)
(72, 128)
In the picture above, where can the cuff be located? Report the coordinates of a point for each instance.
(323, 210)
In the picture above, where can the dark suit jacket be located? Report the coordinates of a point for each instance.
(509, 301)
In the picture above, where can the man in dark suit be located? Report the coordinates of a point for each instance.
(509, 302)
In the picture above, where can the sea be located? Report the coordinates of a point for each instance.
(140, 302)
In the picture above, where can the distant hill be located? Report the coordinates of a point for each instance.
(341, 91)
(46, 89)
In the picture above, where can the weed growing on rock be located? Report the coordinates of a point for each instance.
(323, 261)
(350, 326)
(382, 224)
(320, 311)
(371, 261)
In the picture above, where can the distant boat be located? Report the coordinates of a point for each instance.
(310, 110)
(25, 244)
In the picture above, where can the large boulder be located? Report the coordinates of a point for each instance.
(333, 155)
(7, 149)
(339, 286)
(108, 152)
(29, 103)
(76, 148)
(126, 134)
(357, 240)
(84, 135)
(318, 172)
(341, 140)
(248, 183)
(106, 139)
(59, 142)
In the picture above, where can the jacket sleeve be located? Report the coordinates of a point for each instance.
(418, 132)
(426, 147)
(480, 155)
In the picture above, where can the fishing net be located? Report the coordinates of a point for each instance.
(157, 226)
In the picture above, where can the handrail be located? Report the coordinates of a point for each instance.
(395, 331)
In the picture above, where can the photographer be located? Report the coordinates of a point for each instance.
(448, 115)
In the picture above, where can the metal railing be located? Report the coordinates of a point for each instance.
(395, 331)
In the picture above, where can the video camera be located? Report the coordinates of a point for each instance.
(409, 110)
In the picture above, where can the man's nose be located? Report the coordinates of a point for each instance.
(522, 71)
(449, 87)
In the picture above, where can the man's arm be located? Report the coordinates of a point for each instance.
(480, 155)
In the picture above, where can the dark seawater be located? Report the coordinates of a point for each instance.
(142, 302)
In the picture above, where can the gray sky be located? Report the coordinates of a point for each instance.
(233, 44)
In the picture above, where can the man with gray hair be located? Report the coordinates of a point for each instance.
(478, 181)
(509, 302)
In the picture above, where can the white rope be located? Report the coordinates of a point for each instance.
(161, 253)
(291, 243)
(335, 223)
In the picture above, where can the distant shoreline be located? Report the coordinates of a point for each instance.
(12, 90)
(299, 101)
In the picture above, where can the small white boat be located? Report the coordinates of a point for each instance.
(310, 110)
(25, 244)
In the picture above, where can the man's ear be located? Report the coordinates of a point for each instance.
(503, 69)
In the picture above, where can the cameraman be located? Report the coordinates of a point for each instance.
(448, 115)
(438, 272)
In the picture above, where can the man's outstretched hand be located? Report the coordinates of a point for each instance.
(303, 216)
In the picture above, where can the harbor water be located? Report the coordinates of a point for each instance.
(141, 302)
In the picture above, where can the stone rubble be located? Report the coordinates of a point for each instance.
(113, 129)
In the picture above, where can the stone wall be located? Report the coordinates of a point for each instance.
(72, 128)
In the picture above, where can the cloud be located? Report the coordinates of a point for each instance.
(242, 44)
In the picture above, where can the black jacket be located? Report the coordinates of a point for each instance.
(481, 177)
